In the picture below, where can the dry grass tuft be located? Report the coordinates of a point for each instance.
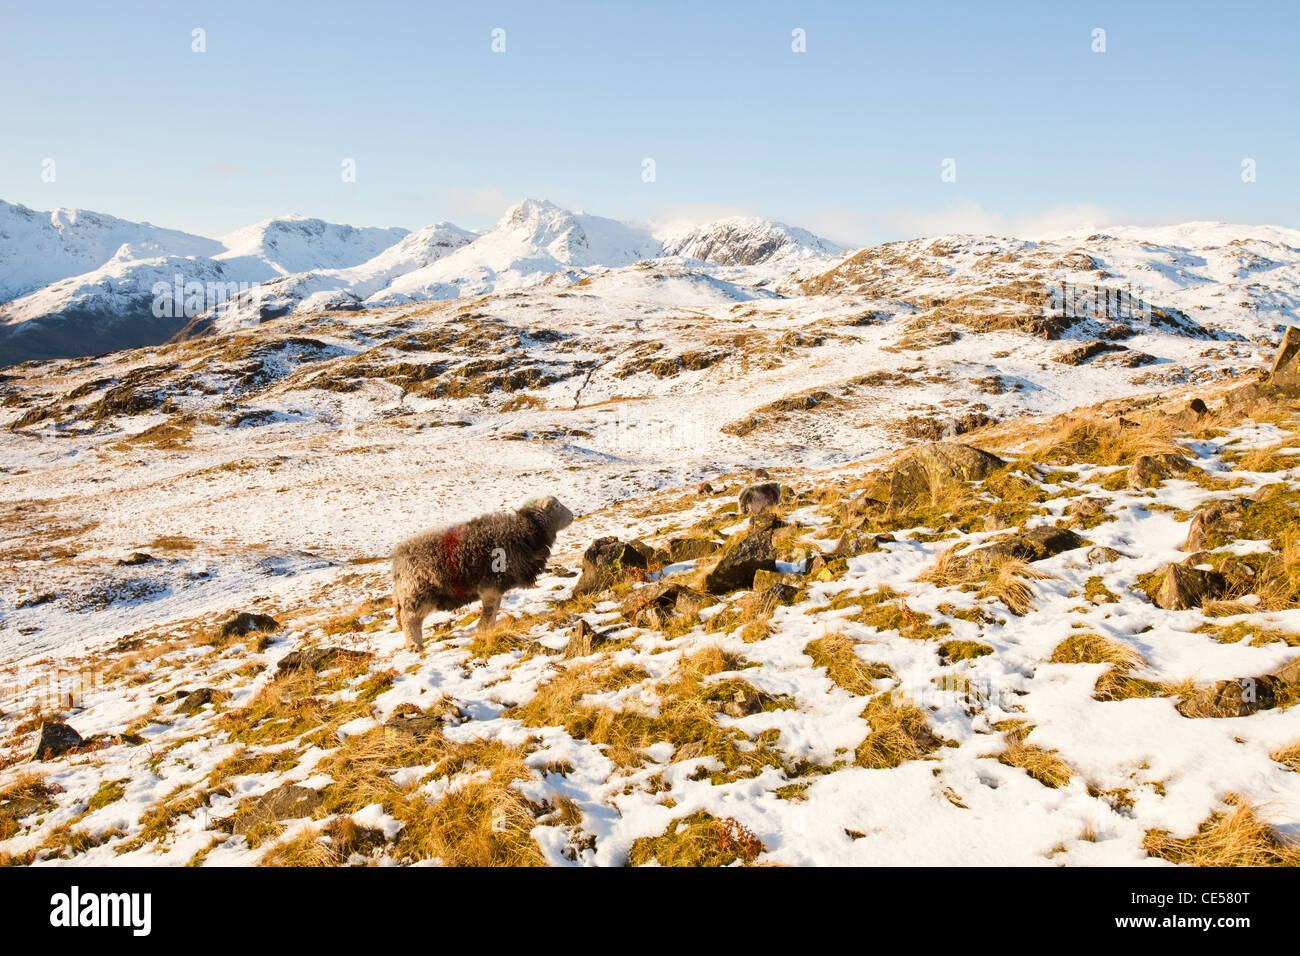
(1043, 765)
(698, 840)
(1085, 647)
(1240, 838)
(899, 732)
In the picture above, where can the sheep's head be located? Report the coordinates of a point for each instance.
(556, 516)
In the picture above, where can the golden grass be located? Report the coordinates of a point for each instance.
(698, 840)
(899, 732)
(837, 653)
(1288, 756)
(1239, 838)
(1045, 766)
(1085, 647)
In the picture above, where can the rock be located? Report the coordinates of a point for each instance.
(705, 488)
(419, 726)
(1103, 555)
(1216, 523)
(651, 606)
(746, 701)
(923, 467)
(754, 552)
(1036, 544)
(1285, 371)
(1081, 353)
(1181, 586)
(852, 543)
(317, 658)
(1233, 698)
(54, 739)
(767, 579)
(583, 640)
(1289, 672)
(136, 558)
(1190, 416)
(1151, 470)
(286, 802)
(777, 595)
(606, 562)
(194, 701)
(1087, 507)
(856, 511)
(761, 474)
(691, 549)
(245, 622)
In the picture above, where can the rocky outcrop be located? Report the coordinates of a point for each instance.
(606, 562)
(923, 468)
(1036, 544)
(54, 739)
(1216, 523)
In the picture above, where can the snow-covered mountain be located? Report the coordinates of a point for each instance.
(747, 241)
(37, 248)
(84, 283)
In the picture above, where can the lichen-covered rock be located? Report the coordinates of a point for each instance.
(1035, 544)
(606, 562)
(1285, 371)
(318, 658)
(195, 700)
(651, 606)
(691, 549)
(926, 466)
(1178, 587)
(1151, 470)
(286, 802)
(1233, 698)
(1216, 523)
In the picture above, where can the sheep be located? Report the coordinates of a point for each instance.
(480, 559)
(757, 499)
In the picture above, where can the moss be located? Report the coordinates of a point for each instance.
(844, 667)
(110, 791)
(1252, 634)
(952, 651)
(1097, 592)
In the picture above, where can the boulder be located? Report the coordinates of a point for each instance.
(317, 658)
(194, 701)
(1178, 587)
(923, 467)
(606, 562)
(419, 726)
(1189, 416)
(691, 549)
(583, 640)
(1103, 555)
(753, 552)
(1233, 698)
(1285, 371)
(136, 558)
(1149, 471)
(54, 739)
(651, 606)
(1216, 523)
(853, 543)
(1035, 544)
(286, 802)
(1289, 672)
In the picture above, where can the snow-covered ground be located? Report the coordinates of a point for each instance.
(273, 467)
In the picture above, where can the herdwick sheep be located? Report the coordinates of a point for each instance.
(757, 499)
(480, 559)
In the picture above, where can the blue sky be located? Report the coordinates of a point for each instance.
(847, 138)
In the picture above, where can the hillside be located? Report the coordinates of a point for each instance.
(931, 655)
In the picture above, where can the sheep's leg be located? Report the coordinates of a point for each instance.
(413, 619)
(491, 603)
